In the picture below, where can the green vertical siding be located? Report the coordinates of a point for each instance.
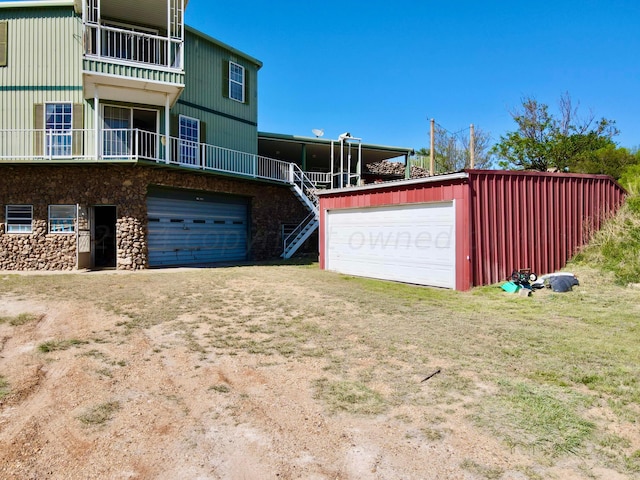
(44, 63)
(230, 124)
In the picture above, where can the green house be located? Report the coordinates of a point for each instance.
(129, 140)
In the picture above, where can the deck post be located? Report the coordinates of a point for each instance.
(167, 127)
(96, 122)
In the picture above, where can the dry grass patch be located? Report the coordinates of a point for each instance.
(527, 370)
(21, 319)
(99, 414)
(4, 387)
(54, 345)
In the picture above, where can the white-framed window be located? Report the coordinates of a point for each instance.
(62, 218)
(19, 218)
(236, 82)
(58, 121)
(189, 140)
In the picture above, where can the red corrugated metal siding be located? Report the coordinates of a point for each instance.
(534, 220)
(395, 194)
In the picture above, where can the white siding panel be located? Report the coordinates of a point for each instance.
(406, 243)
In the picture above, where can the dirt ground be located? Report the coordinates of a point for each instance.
(146, 404)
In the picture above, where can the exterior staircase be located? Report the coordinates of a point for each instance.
(304, 189)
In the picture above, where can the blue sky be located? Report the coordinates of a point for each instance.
(381, 69)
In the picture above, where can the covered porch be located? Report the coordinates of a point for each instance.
(331, 163)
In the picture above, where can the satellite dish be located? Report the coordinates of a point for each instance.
(318, 132)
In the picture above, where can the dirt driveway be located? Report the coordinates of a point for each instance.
(273, 372)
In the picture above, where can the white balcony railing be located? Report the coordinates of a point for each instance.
(46, 144)
(127, 145)
(319, 178)
(129, 46)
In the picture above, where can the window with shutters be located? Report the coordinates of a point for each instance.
(58, 129)
(62, 218)
(19, 218)
(4, 43)
(236, 82)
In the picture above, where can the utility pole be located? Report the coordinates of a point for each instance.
(432, 148)
(472, 147)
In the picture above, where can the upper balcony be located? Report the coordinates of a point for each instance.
(133, 50)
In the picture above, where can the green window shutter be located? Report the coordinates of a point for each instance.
(247, 87)
(4, 43)
(174, 131)
(203, 132)
(77, 126)
(225, 78)
(38, 125)
(203, 141)
(174, 125)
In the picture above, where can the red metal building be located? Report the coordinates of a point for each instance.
(464, 229)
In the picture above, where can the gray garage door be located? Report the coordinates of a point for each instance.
(193, 229)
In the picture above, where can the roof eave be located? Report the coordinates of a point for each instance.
(392, 184)
(326, 141)
(223, 45)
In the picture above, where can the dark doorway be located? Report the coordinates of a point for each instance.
(145, 121)
(104, 235)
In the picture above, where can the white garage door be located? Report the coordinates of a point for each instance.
(407, 243)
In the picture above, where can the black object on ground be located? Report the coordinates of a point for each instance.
(561, 283)
(430, 375)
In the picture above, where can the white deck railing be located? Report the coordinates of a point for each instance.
(131, 46)
(47, 144)
(126, 145)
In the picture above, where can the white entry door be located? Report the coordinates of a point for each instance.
(412, 243)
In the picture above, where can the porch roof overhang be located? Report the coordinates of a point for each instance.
(130, 90)
(317, 151)
(139, 12)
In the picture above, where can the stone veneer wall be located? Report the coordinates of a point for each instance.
(124, 186)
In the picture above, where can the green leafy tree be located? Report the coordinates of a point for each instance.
(543, 141)
(609, 160)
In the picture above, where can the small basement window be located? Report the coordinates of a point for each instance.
(62, 218)
(19, 218)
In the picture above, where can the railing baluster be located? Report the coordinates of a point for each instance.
(132, 46)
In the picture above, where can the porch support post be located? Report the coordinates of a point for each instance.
(182, 35)
(341, 162)
(96, 121)
(168, 55)
(407, 166)
(303, 160)
(332, 160)
(167, 127)
(359, 165)
(99, 30)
